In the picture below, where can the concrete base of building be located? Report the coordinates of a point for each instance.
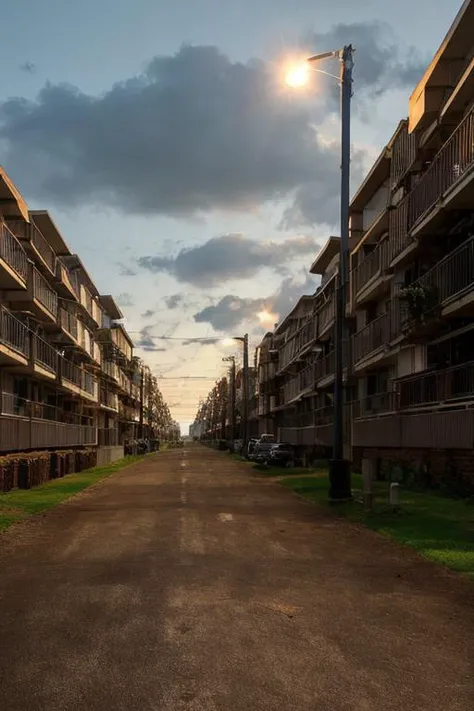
(107, 455)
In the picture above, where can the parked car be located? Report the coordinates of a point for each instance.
(262, 451)
(282, 455)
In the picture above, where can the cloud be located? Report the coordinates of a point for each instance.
(126, 271)
(125, 299)
(231, 311)
(148, 313)
(28, 67)
(230, 256)
(147, 343)
(173, 301)
(201, 341)
(194, 132)
(381, 64)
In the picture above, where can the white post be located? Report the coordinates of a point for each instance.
(395, 495)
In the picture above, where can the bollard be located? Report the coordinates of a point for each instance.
(395, 496)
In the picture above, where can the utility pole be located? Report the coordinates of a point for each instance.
(231, 360)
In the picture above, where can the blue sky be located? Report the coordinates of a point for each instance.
(140, 159)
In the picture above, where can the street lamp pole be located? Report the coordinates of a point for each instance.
(245, 387)
(231, 359)
(339, 470)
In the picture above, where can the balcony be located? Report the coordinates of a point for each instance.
(371, 338)
(327, 314)
(90, 305)
(39, 298)
(65, 284)
(108, 400)
(369, 276)
(36, 245)
(14, 340)
(435, 388)
(69, 324)
(110, 369)
(299, 385)
(13, 261)
(45, 359)
(446, 184)
(36, 425)
(78, 381)
(124, 382)
(108, 437)
(311, 429)
(325, 368)
(449, 285)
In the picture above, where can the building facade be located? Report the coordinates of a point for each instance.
(68, 375)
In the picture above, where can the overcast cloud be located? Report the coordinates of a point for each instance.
(194, 132)
(231, 256)
(230, 311)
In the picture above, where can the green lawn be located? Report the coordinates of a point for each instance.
(439, 528)
(20, 503)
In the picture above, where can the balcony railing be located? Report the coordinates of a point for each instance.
(371, 337)
(438, 386)
(13, 333)
(69, 323)
(12, 404)
(327, 313)
(46, 355)
(452, 163)
(44, 293)
(452, 276)
(18, 434)
(373, 264)
(325, 366)
(43, 248)
(108, 437)
(77, 376)
(12, 252)
(403, 155)
(64, 276)
(108, 399)
(376, 404)
(111, 369)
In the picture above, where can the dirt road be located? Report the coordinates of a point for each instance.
(184, 583)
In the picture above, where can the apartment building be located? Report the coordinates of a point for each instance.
(413, 274)
(408, 369)
(68, 376)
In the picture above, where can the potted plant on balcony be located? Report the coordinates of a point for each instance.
(421, 301)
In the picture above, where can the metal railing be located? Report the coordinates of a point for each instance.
(452, 275)
(371, 337)
(13, 404)
(108, 399)
(325, 366)
(399, 236)
(12, 252)
(108, 437)
(378, 403)
(44, 293)
(372, 264)
(14, 333)
(71, 373)
(64, 275)
(43, 248)
(432, 387)
(327, 313)
(452, 162)
(111, 369)
(69, 322)
(46, 355)
(404, 152)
